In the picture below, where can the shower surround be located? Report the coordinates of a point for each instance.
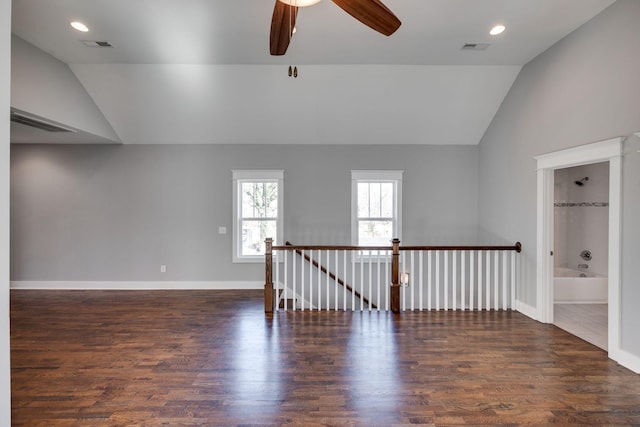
(581, 224)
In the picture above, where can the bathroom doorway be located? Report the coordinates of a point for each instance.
(608, 151)
(581, 253)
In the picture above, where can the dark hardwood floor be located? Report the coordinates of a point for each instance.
(184, 358)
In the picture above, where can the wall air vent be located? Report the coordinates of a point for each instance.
(37, 123)
(475, 46)
(95, 43)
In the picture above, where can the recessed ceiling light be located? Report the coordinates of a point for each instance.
(498, 29)
(300, 3)
(77, 25)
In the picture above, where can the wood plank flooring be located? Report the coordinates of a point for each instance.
(213, 358)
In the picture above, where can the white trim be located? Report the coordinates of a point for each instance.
(615, 255)
(134, 285)
(238, 176)
(544, 264)
(610, 150)
(258, 174)
(526, 309)
(628, 360)
(372, 176)
(590, 153)
(582, 301)
(5, 102)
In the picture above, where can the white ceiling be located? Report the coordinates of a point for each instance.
(417, 86)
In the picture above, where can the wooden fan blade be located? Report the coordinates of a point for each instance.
(372, 13)
(282, 24)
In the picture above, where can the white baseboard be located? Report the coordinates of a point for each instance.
(133, 285)
(527, 310)
(595, 301)
(626, 359)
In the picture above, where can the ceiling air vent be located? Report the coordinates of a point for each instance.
(475, 46)
(95, 43)
(37, 123)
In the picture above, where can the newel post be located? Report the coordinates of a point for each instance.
(395, 276)
(268, 270)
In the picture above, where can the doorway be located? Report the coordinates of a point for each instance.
(608, 151)
(581, 251)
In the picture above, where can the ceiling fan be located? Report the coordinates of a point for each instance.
(372, 13)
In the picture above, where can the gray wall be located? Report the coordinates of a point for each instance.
(584, 89)
(5, 58)
(115, 213)
(45, 86)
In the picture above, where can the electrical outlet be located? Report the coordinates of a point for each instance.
(222, 230)
(163, 268)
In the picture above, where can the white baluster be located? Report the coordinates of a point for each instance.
(472, 278)
(320, 280)
(446, 280)
(276, 285)
(378, 276)
(513, 280)
(387, 281)
(420, 281)
(286, 282)
(294, 279)
(353, 280)
(463, 280)
(488, 279)
(344, 288)
(496, 280)
(437, 280)
(403, 290)
(480, 284)
(362, 282)
(504, 280)
(455, 280)
(312, 284)
(335, 282)
(370, 296)
(302, 281)
(411, 281)
(429, 279)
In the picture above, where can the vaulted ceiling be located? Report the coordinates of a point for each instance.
(199, 71)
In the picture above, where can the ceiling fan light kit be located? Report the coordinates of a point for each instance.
(372, 13)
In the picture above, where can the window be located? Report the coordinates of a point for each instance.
(257, 212)
(376, 205)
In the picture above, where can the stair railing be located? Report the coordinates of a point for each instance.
(332, 275)
(391, 278)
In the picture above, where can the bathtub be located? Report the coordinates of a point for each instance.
(578, 287)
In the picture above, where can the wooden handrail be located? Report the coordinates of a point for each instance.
(291, 247)
(322, 268)
(516, 247)
(394, 252)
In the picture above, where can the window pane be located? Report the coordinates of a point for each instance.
(374, 233)
(247, 200)
(374, 200)
(254, 233)
(259, 199)
(270, 192)
(386, 200)
(363, 200)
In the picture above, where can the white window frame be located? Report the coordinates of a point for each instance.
(239, 177)
(393, 176)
